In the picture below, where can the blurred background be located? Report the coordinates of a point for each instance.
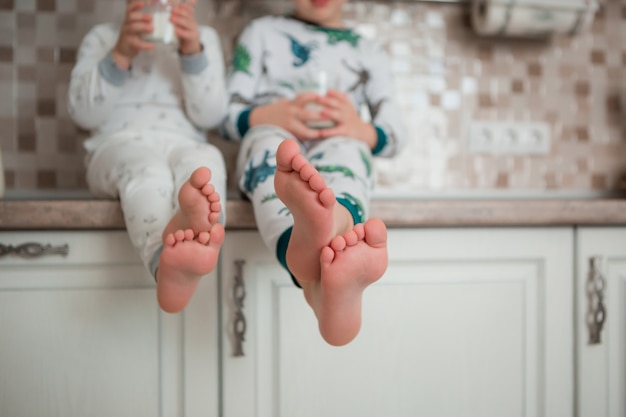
(455, 89)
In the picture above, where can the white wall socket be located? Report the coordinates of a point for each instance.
(509, 137)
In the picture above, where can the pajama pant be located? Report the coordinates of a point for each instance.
(145, 170)
(344, 163)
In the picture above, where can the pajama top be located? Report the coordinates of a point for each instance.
(274, 56)
(162, 91)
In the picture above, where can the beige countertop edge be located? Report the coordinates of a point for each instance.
(106, 214)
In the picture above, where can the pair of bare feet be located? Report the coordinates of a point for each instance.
(191, 242)
(332, 259)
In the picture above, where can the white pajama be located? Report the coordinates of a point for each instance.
(145, 170)
(273, 57)
(148, 127)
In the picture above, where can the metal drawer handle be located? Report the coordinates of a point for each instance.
(239, 322)
(595, 289)
(33, 250)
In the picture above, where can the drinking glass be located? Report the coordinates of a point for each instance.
(319, 82)
(163, 29)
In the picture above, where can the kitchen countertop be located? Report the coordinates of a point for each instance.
(86, 214)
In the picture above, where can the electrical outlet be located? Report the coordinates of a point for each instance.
(509, 137)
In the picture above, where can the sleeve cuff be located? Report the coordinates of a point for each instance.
(194, 64)
(111, 72)
(381, 140)
(243, 122)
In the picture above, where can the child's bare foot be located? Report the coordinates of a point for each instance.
(184, 260)
(199, 204)
(313, 206)
(349, 265)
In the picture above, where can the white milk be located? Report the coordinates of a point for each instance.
(317, 82)
(163, 29)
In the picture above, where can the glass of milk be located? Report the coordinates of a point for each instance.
(163, 29)
(319, 82)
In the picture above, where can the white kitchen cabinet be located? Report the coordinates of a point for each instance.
(82, 335)
(601, 312)
(465, 322)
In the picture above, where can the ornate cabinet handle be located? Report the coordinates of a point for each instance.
(239, 322)
(595, 289)
(33, 250)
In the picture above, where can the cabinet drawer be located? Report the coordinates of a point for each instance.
(82, 247)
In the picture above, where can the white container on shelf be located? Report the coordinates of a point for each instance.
(532, 18)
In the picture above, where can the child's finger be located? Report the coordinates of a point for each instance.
(330, 102)
(338, 96)
(330, 114)
(138, 44)
(183, 11)
(184, 34)
(303, 132)
(139, 26)
(134, 6)
(136, 17)
(306, 115)
(184, 24)
(333, 131)
(304, 98)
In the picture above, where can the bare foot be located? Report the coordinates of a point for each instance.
(199, 204)
(349, 265)
(313, 206)
(184, 260)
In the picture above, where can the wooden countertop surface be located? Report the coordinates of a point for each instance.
(106, 214)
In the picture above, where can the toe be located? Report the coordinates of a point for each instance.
(351, 237)
(179, 235)
(359, 229)
(217, 235)
(200, 177)
(208, 189)
(203, 237)
(326, 256)
(338, 243)
(189, 234)
(327, 198)
(375, 232)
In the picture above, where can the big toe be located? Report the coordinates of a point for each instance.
(217, 235)
(375, 232)
(287, 151)
(200, 177)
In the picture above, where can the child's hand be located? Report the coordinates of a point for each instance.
(289, 115)
(183, 17)
(129, 43)
(339, 109)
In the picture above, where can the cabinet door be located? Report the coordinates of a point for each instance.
(82, 334)
(601, 322)
(465, 322)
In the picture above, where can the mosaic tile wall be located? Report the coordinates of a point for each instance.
(446, 77)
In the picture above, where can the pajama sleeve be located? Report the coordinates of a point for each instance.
(381, 100)
(244, 75)
(203, 82)
(96, 82)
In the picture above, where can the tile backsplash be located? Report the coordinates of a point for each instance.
(446, 77)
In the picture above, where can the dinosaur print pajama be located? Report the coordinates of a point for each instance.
(276, 55)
